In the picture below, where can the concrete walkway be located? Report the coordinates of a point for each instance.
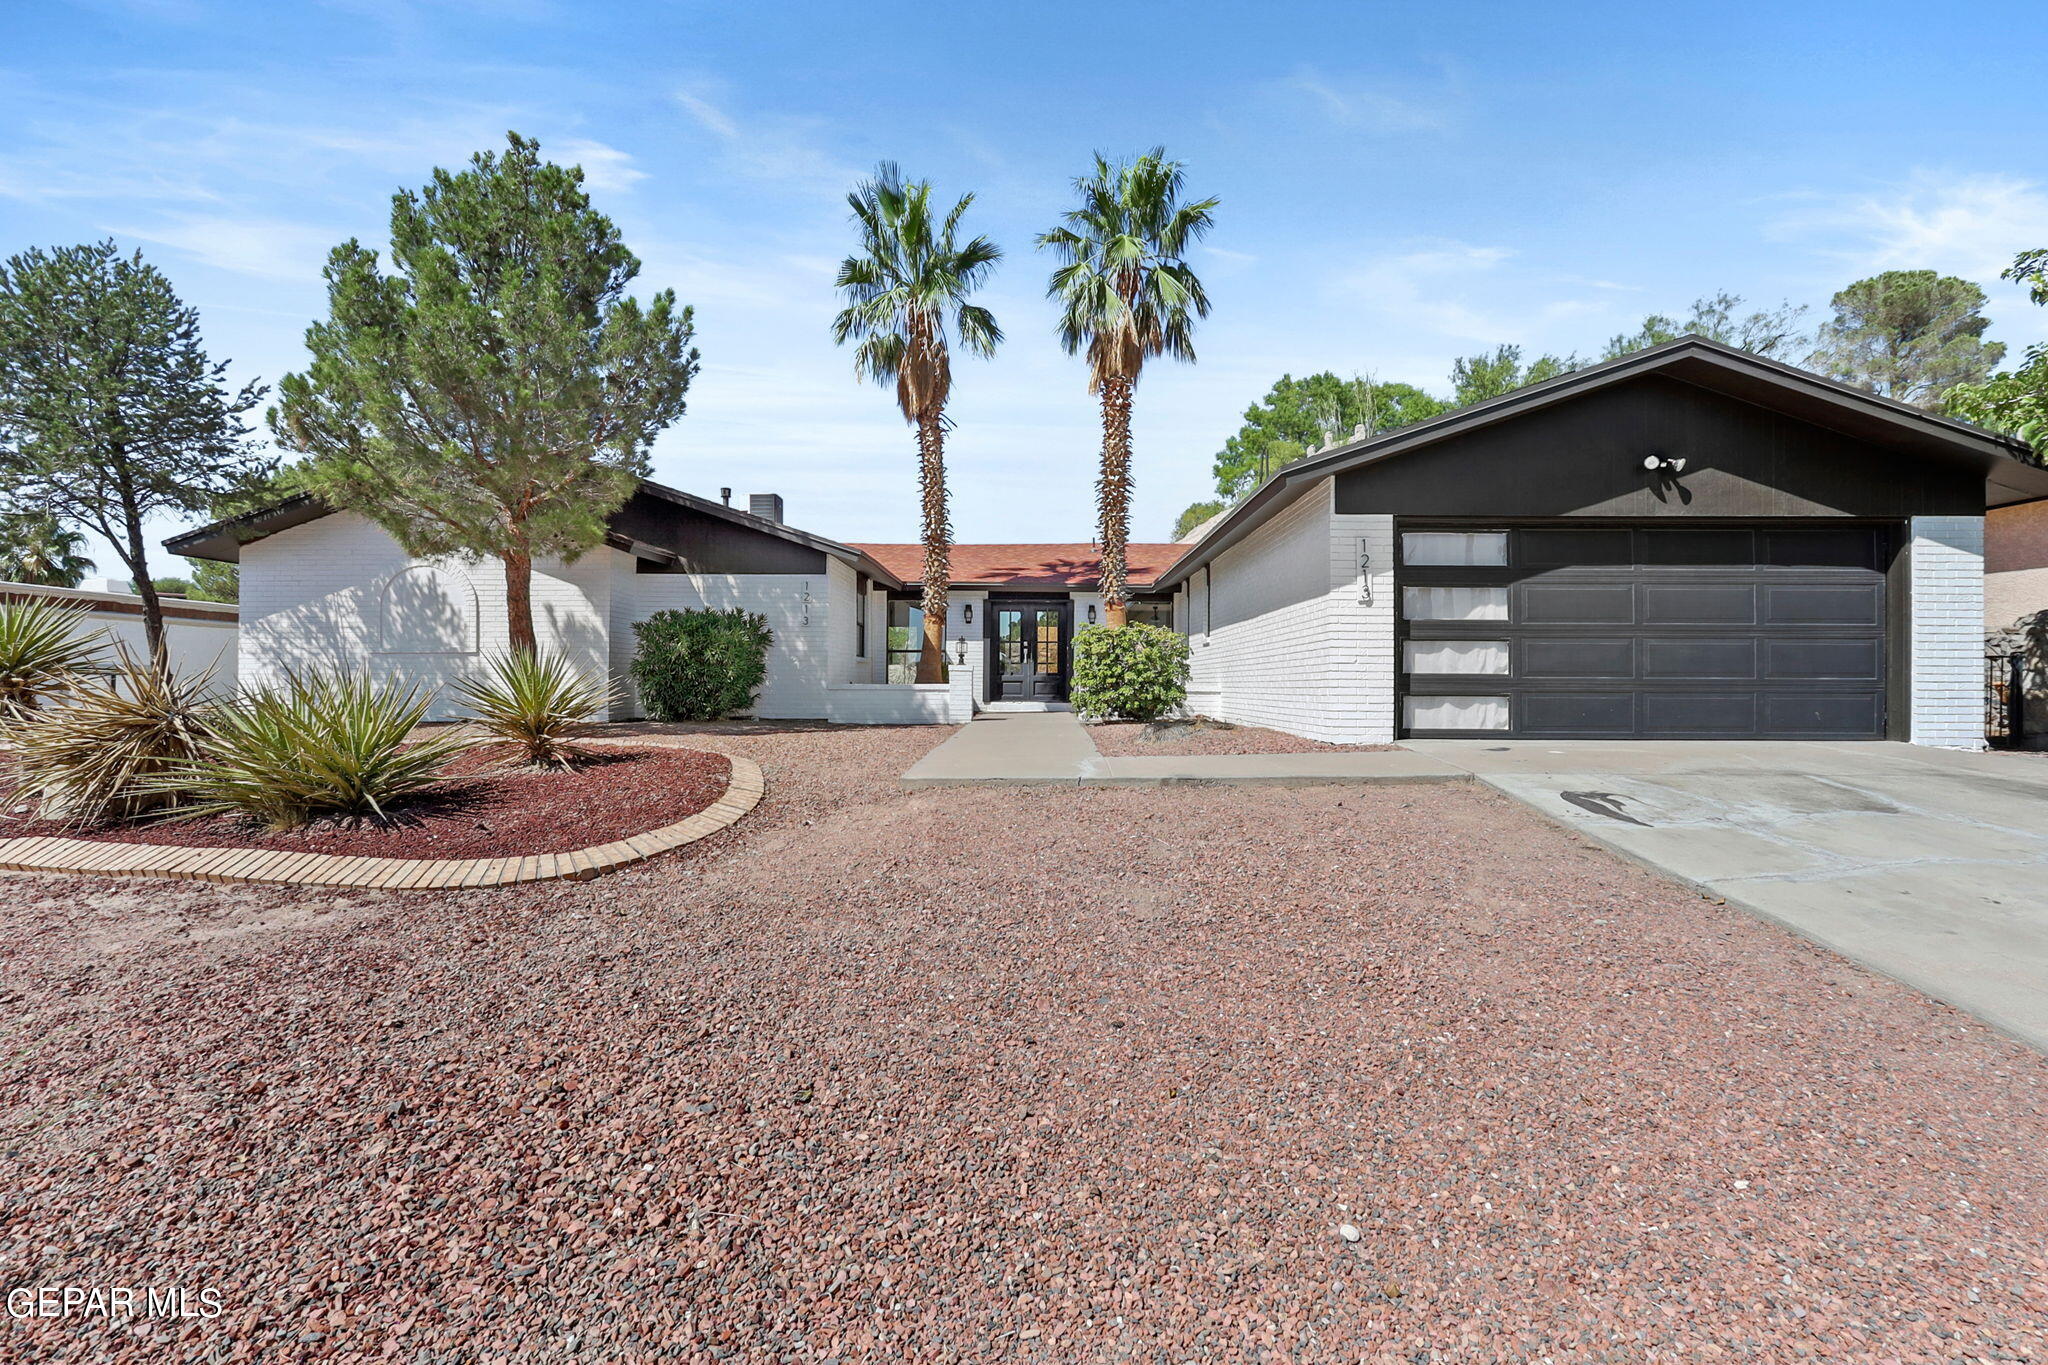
(1927, 865)
(1027, 747)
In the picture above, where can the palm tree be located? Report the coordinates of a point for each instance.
(36, 548)
(1126, 294)
(908, 279)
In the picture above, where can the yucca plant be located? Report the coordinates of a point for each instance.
(44, 644)
(538, 703)
(313, 748)
(101, 750)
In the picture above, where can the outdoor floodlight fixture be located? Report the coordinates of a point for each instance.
(1666, 463)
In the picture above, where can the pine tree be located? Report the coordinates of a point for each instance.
(1909, 335)
(495, 393)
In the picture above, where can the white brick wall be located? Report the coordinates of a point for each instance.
(1359, 688)
(313, 599)
(1289, 640)
(1946, 565)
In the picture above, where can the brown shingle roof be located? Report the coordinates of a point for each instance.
(1032, 566)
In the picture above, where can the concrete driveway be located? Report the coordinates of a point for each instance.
(1927, 865)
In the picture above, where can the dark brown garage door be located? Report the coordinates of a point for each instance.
(1643, 632)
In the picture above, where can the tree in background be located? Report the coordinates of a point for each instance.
(1126, 294)
(1194, 514)
(1774, 333)
(213, 581)
(1301, 415)
(36, 548)
(911, 278)
(1476, 378)
(1909, 335)
(2015, 401)
(496, 393)
(110, 412)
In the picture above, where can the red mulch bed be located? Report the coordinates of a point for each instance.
(1183, 738)
(482, 810)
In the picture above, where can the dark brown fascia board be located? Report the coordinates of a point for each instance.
(222, 540)
(1285, 484)
(860, 559)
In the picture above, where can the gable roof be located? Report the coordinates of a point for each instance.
(223, 540)
(2010, 473)
(1029, 565)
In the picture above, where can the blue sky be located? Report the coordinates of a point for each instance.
(1401, 184)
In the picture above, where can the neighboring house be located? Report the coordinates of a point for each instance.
(1687, 543)
(330, 590)
(1690, 542)
(200, 635)
(2016, 609)
(2015, 563)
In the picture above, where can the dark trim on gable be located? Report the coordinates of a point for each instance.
(2009, 473)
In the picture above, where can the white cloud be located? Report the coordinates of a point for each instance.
(604, 168)
(1228, 259)
(707, 114)
(778, 148)
(1361, 106)
(1443, 295)
(271, 248)
(1969, 225)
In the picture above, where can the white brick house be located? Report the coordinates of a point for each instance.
(1690, 542)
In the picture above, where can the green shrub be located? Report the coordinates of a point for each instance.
(539, 704)
(1132, 672)
(315, 748)
(700, 665)
(44, 644)
(101, 748)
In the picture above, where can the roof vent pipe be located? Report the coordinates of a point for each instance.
(767, 506)
(726, 493)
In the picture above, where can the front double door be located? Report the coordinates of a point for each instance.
(1029, 644)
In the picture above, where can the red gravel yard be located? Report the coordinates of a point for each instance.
(482, 810)
(1057, 1074)
(1172, 739)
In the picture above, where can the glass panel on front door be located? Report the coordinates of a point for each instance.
(1048, 639)
(1030, 645)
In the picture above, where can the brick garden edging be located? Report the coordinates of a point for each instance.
(742, 793)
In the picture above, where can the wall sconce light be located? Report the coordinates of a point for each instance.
(967, 612)
(1091, 613)
(1664, 464)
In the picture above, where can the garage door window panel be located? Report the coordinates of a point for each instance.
(1570, 713)
(1579, 657)
(1456, 712)
(1456, 657)
(1678, 658)
(1576, 604)
(1846, 604)
(1440, 549)
(1455, 603)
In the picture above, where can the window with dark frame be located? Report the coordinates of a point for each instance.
(860, 618)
